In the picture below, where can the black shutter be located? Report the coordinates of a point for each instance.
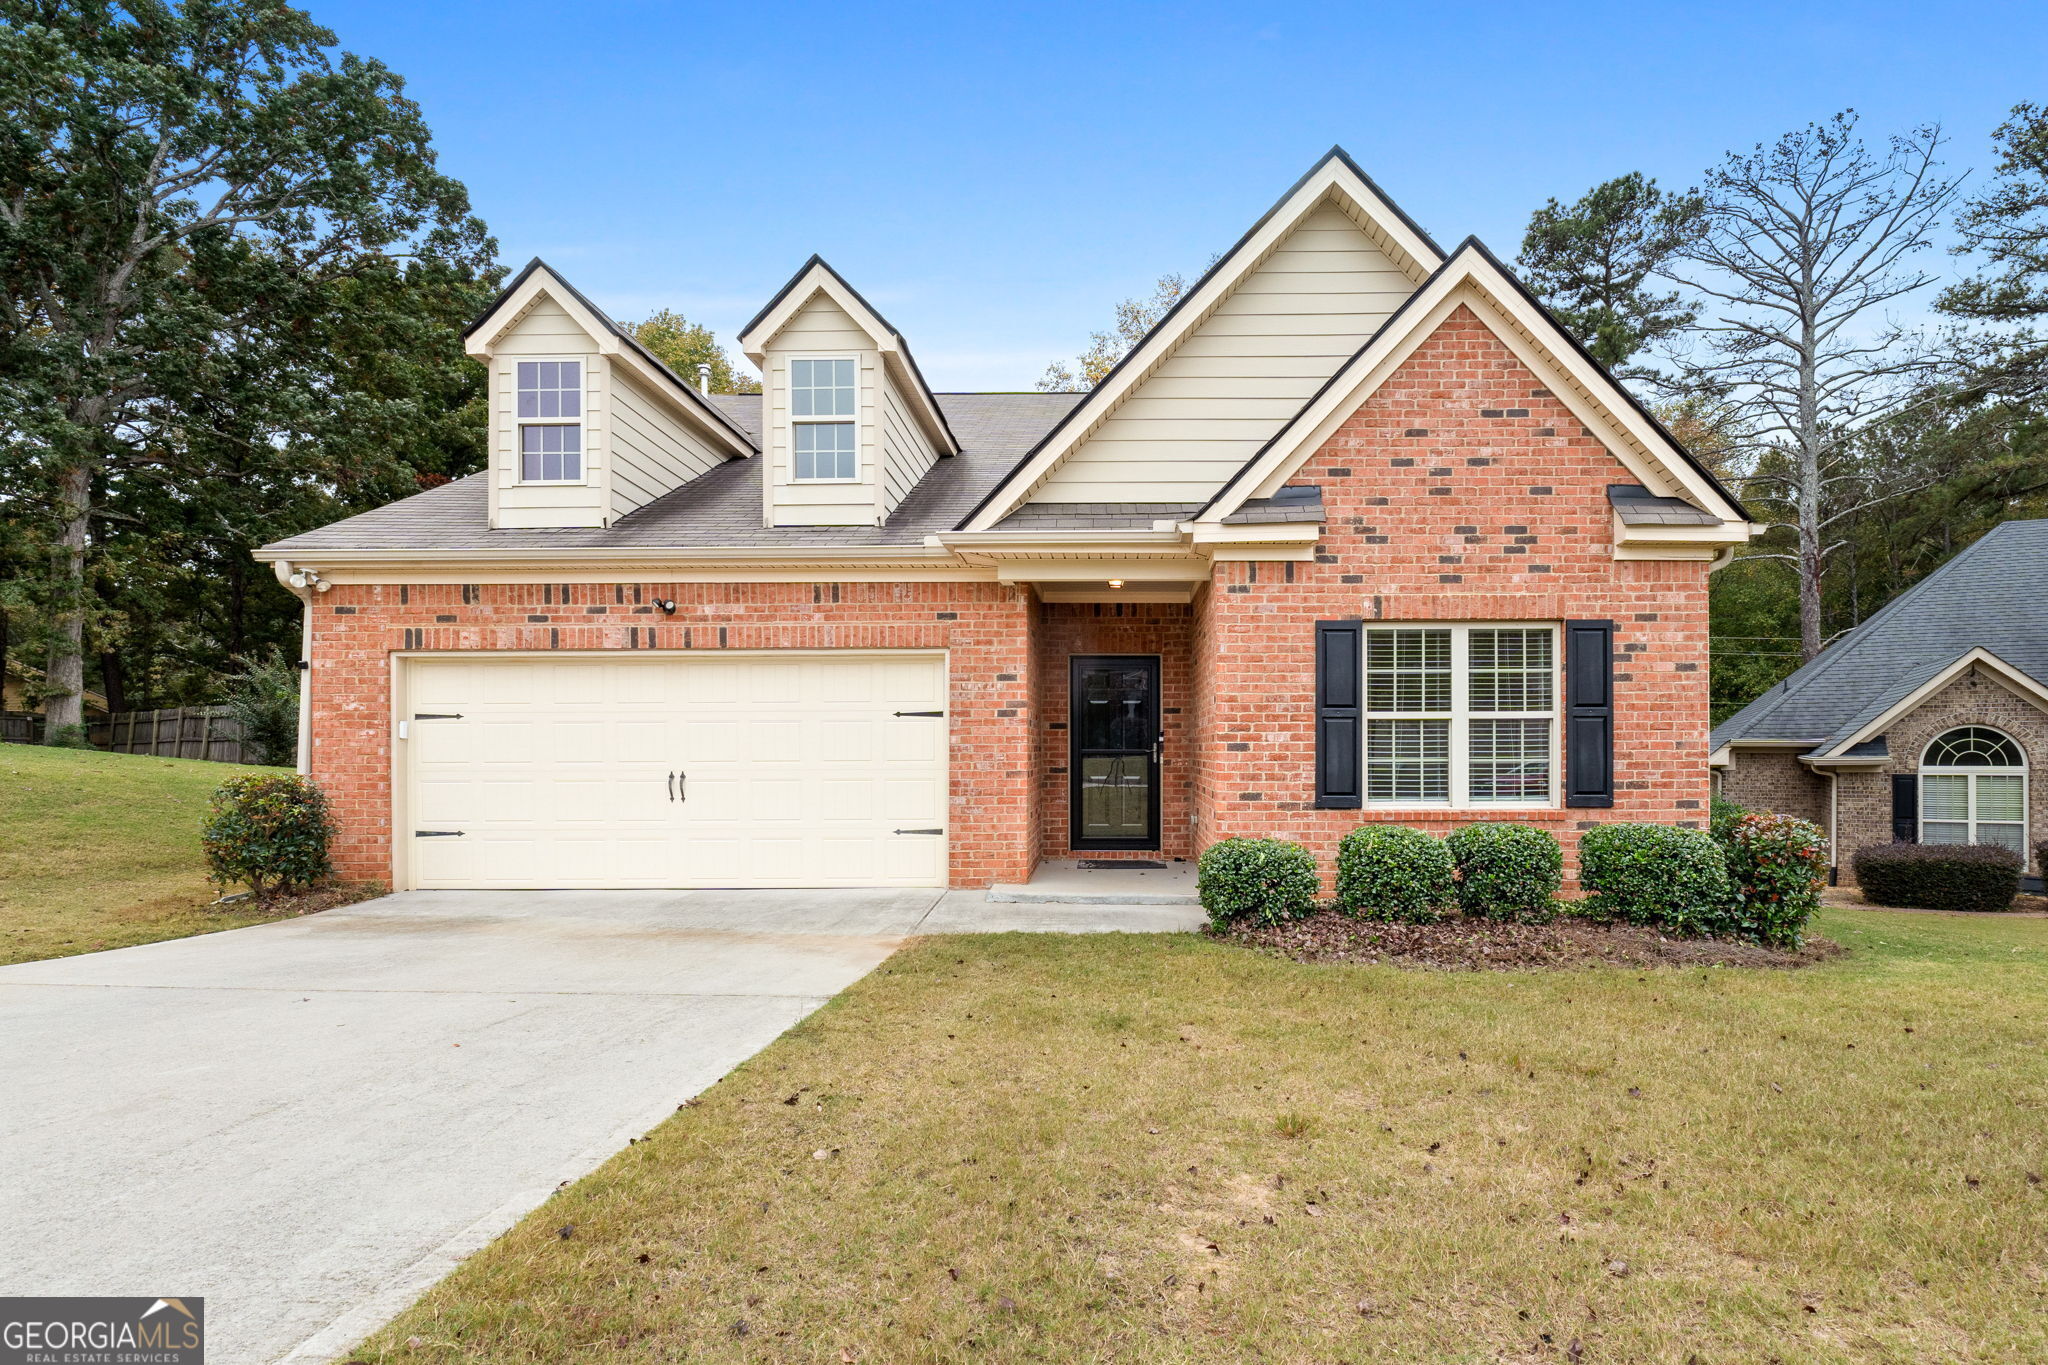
(1339, 753)
(1906, 808)
(1589, 713)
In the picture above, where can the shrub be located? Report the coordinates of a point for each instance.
(1656, 875)
(1939, 876)
(1722, 815)
(264, 700)
(269, 831)
(1393, 872)
(1507, 871)
(1266, 880)
(1778, 864)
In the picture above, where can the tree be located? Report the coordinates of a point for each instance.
(683, 345)
(1134, 318)
(182, 186)
(2008, 226)
(1797, 249)
(1592, 264)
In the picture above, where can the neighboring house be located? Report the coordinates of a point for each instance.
(1356, 533)
(20, 681)
(1925, 723)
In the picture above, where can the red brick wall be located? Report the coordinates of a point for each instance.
(1461, 491)
(994, 828)
(1067, 629)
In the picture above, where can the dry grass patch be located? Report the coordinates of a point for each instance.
(102, 851)
(1070, 1149)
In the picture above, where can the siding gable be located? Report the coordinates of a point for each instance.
(1241, 372)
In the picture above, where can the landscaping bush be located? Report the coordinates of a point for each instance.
(1507, 871)
(1266, 880)
(1722, 815)
(1657, 875)
(1939, 876)
(1393, 872)
(264, 700)
(268, 831)
(1778, 864)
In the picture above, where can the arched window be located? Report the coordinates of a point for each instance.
(1973, 789)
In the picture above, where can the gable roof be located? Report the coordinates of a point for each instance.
(815, 277)
(1988, 598)
(539, 277)
(1335, 176)
(1475, 277)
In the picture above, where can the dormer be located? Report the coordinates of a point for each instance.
(586, 425)
(848, 425)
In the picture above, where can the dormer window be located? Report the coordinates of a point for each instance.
(550, 421)
(821, 406)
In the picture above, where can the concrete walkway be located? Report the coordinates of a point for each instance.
(310, 1122)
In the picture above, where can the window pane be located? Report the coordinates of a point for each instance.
(821, 388)
(1974, 746)
(1408, 670)
(1408, 760)
(550, 452)
(1944, 798)
(2000, 798)
(1511, 670)
(2005, 836)
(825, 450)
(1510, 760)
(1944, 832)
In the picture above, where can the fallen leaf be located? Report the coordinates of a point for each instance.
(565, 1231)
(644, 1258)
(1618, 1269)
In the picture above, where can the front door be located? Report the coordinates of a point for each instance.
(1113, 718)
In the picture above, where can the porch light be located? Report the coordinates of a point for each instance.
(1116, 582)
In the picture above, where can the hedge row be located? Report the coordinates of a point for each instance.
(1760, 880)
(1939, 876)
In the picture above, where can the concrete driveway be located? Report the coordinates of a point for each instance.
(310, 1122)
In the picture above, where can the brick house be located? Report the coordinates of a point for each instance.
(1925, 723)
(1357, 532)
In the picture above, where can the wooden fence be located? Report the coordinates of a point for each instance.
(174, 732)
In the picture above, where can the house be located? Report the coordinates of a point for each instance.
(1357, 532)
(1924, 723)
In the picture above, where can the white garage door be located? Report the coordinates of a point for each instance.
(667, 771)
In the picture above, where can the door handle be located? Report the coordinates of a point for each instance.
(671, 786)
(682, 786)
(1158, 749)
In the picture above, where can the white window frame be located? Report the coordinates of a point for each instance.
(1971, 821)
(850, 420)
(582, 422)
(1460, 715)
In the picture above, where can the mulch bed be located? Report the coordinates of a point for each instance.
(306, 902)
(1468, 945)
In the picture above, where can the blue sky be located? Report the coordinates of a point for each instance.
(995, 177)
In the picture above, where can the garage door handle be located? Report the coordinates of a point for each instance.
(671, 786)
(435, 715)
(920, 831)
(437, 834)
(919, 713)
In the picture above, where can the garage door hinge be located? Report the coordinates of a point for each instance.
(920, 831)
(919, 713)
(437, 834)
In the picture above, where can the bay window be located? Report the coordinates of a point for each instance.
(1460, 716)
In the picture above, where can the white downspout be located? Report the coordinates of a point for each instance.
(304, 758)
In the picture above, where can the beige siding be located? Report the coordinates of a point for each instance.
(821, 328)
(1238, 376)
(652, 453)
(547, 332)
(907, 454)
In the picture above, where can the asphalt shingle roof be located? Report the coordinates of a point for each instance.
(721, 508)
(1994, 596)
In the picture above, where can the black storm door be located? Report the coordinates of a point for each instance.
(1113, 718)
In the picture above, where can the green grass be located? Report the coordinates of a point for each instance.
(102, 851)
(1014, 1148)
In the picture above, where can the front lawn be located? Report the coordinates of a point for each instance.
(102, 850)
(1167, 1149)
